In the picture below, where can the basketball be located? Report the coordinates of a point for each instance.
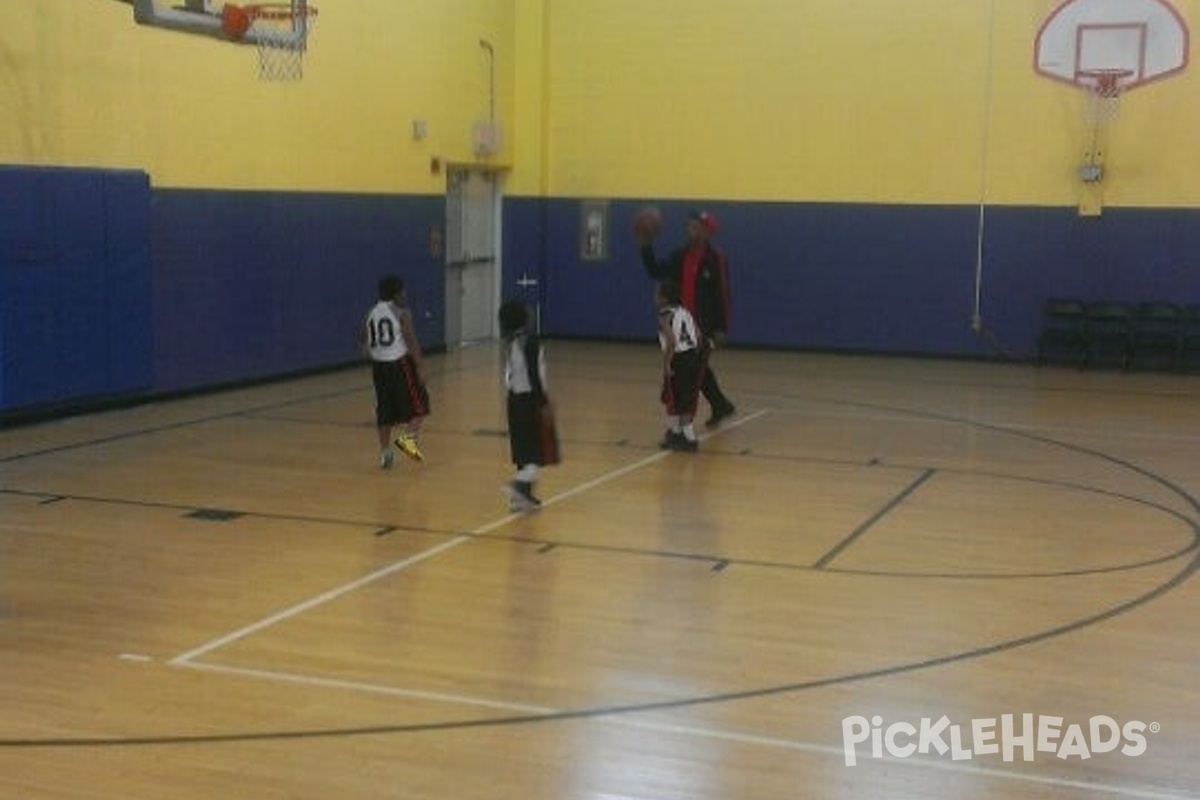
(235, 21)
(647, 222)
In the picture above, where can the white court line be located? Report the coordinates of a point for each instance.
(659, 456)
(692, 730)
(187, 660)
(358, 686)
(320, 599)
(333, 594)
(946, 766)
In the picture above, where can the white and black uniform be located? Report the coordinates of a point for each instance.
(399, 394)
(385, 337)
(681, 389)
(525, 379)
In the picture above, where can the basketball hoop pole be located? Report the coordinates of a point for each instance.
(1102, 103)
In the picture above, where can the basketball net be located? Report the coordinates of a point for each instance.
(281, 33)
(1103, 102)
(1104, 96)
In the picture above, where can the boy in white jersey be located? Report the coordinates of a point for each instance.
(388, 338)
(683, 367)
(532, 436)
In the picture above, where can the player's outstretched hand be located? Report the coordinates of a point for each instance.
(647, 224)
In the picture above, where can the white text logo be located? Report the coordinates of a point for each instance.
(1009, 736)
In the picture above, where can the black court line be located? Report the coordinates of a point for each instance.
(874, 518)
(377, 528)
(381, 529)
(171, 426)
(262, 409)
(1033, 437)
(215, 514)
(613, 710)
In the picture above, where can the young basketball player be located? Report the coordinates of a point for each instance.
(531, 437)
(389, 339)
(682, 367)
(701, 271)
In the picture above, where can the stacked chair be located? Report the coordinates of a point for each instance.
(1109, 326)
(1155, 337)
(1063, 340)
(1189, 338)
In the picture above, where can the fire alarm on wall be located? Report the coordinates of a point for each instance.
(485, 138)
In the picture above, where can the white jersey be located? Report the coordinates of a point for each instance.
(516, 370)
(385, 338)
(682, 325)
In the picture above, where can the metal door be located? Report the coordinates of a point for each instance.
(472, 245)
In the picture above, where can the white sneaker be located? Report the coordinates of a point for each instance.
(517, 501)
(386, 458)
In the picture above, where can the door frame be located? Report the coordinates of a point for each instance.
(456, 260)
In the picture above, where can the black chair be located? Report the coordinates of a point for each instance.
(1063, 339)
(1189, 338)
(1109, 325)
(1155, 336)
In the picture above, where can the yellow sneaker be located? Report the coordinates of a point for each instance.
(408, 446)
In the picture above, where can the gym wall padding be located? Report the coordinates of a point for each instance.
(255, 284)
(75, 285)
(803, 276)
(878, 167)
(865, 278)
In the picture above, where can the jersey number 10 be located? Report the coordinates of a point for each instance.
(381, 332)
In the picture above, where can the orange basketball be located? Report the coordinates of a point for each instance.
(647, 222)
(235, 21)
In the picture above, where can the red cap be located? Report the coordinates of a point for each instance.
(707, 221)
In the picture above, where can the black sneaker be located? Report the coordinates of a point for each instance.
(720, 415)
(671, 440)
(686, 445)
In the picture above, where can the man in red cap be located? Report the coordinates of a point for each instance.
(700, 269)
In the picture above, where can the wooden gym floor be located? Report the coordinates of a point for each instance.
(224, 597)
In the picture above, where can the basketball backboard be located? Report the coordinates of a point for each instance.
(279, 30)
(1142, 40)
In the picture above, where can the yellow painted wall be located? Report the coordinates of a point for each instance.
(82, 85)
(908, 101)
(925, 101)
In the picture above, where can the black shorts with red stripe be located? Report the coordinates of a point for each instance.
(399, 394)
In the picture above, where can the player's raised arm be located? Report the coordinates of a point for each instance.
(647, 224)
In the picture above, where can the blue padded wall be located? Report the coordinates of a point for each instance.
(251, 285)
(109, 287)
(864, 278)
(1129, 255)
(75, 284)
(880, 278)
